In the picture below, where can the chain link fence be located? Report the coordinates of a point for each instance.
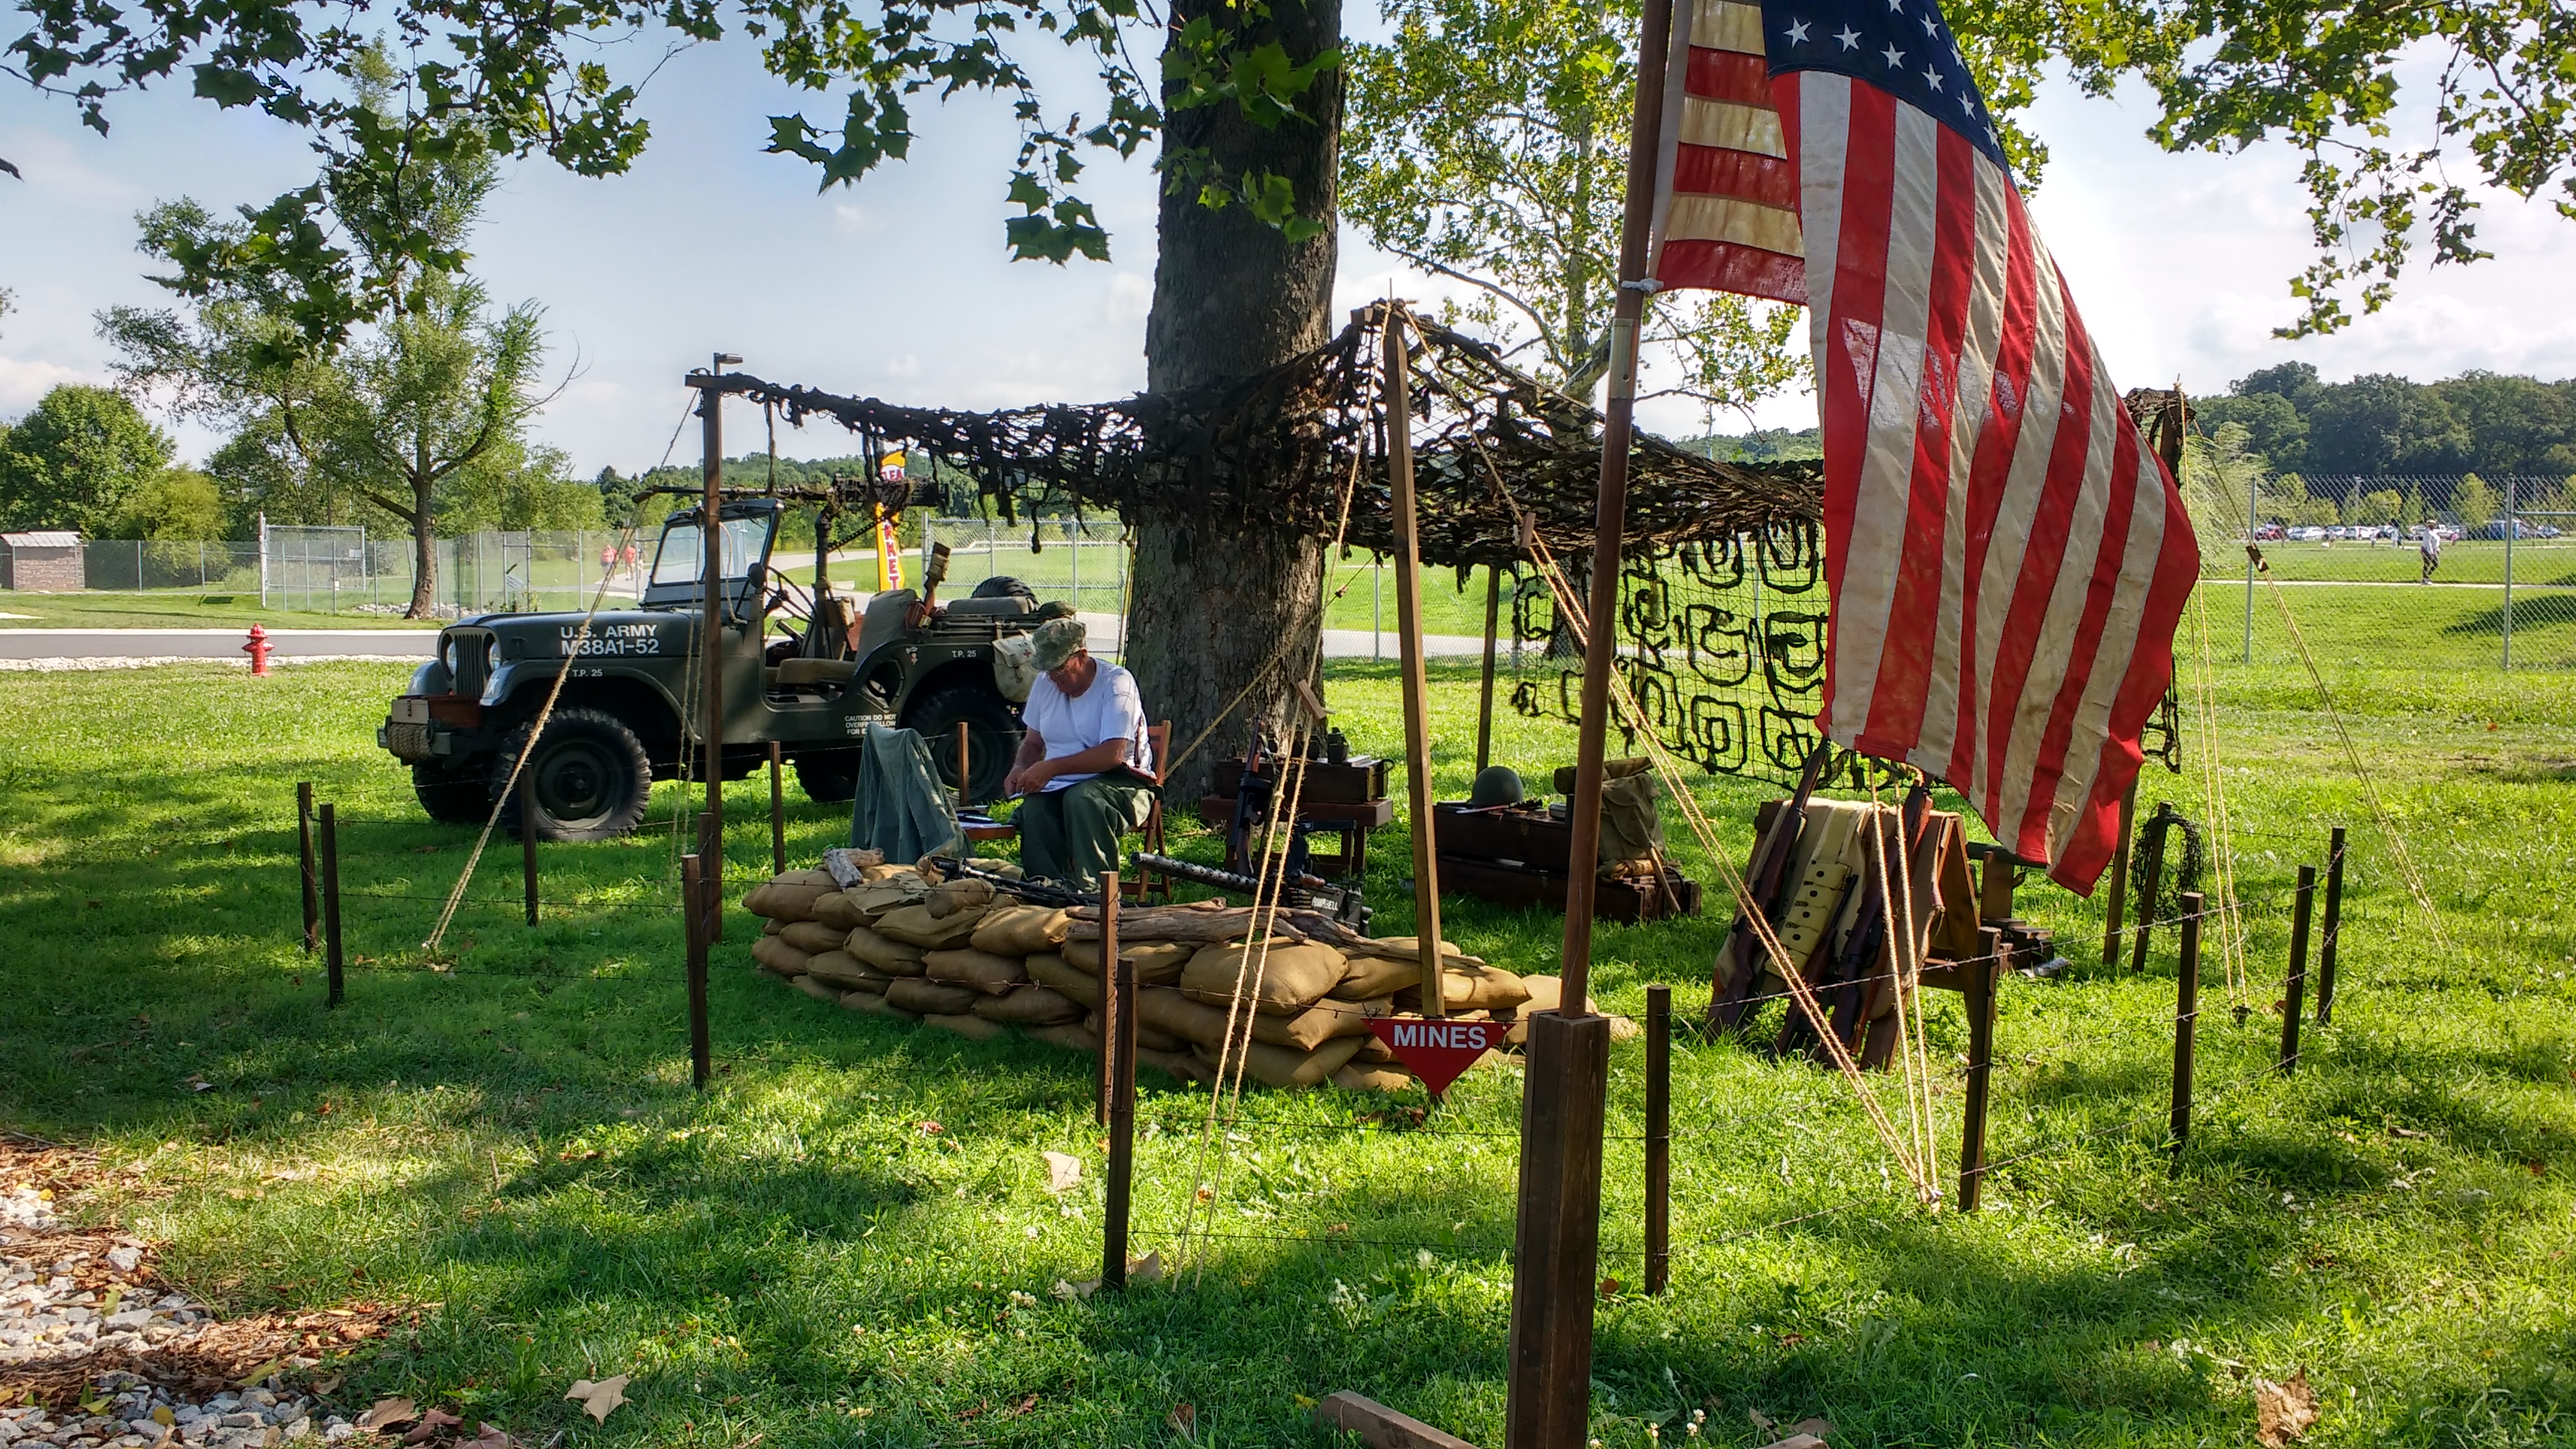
(1081, 561)
(2494, 588)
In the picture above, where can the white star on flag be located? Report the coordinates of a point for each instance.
(1797, 32)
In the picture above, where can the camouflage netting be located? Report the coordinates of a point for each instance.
(1281, 447)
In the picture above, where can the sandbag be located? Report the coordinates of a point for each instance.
(1157, 963)
(1289, 977)
(893, 957)
(836, 910)
(1147, 1038)
(915, 924)
(774, 954)
(848, 972)
(789, 898)
(813, 937)
(957, 897)
(772, 928)
(1320, 1023)
(1179, 1066)
(1470, 987)
(820, 991)
(1166, 1010)
(871, 1001)
(1029, 1006)
(1017, 928)
(1056, 973)
(1072, 1035)
(975, 1027)
(1285, 1067)
(981, 970)
(1386, 963)
(1359, 1076)
(870, 901)
(930, 998)
(1372, 1050)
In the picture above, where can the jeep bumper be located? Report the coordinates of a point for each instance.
(430, 727)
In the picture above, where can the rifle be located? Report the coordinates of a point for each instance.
(1037, 893)
(1768, 887)
(1300, 891)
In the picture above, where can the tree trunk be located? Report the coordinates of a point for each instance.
(424, 558)
(1232, 296)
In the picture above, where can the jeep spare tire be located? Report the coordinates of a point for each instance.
(593, 780)
(992, 736)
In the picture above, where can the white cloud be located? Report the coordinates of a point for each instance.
(849, 219)
(1128, 300)
(23, 382)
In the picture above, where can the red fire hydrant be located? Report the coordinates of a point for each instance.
(258, 650)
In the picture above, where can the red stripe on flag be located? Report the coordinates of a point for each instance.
(2096, 833)
(1849, 358)
(1895, 722)
(1750, 175)
(1731, 267)
(1726, 75)
(2042, 558)
(2007, 399)
(2110, 550)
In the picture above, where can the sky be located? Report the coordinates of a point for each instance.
(901, 288)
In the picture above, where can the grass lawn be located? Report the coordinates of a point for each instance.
(793, 1257)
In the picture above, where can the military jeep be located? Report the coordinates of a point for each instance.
(804, 666)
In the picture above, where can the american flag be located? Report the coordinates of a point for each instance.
(2007, 557)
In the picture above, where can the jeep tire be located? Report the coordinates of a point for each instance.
(992, 736)
(593, 780)
(829, 776)
(454, 797)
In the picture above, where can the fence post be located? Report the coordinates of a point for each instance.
(693, 908)
(1979, 980)
(1659, 1137)
(2150, 868)
(527, 792)
(1107, 1085)
(1377, 592)
(2294, 998)
(304, 853)
(2333, 928)
(777, 815)
(2510, 529)
(1118, 1051)
(2186, 1025)
(332, 958)
(2119, 891)
(2253, 496)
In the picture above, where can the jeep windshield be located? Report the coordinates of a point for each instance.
(681, 559)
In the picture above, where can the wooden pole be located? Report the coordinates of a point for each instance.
(1556, 1239)
(527, 791)
(2333, 932)
(965, 762)
(1109, 1007)
(2154, 867)
(1659, 1137)
(2114, 907)
(1485, 694)
(711, 628)
(1118, 1048)
(1408, 632)
(333, 960)
(304, 853)
(1979, 978)
(777, 813)
(2186, 1025)
(693, 925)
(2294, 994)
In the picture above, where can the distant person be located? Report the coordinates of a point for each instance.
(626, 556)
(2430, 550)
(607, 558)
(1085, 765)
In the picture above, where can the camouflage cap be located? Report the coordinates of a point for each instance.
(1057, 641)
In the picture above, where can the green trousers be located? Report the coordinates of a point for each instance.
(1071, 835)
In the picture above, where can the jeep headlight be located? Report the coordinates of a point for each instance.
(492, 670)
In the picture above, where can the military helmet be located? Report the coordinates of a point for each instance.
(1495, 785)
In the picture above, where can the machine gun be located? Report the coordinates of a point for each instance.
(1342, 903)
(1035, 892)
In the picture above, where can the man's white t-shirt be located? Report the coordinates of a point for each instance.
(1110, 709)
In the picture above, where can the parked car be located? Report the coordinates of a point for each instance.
(2521, 528)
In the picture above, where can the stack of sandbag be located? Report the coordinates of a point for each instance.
(1291, 1011)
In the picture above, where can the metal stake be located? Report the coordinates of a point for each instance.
(333, 958)
(304, 853)
(1485, 694)
(1979, 977)
(2294, 997)
(2333, 928)
(1659, 1137)
(2186, 1025)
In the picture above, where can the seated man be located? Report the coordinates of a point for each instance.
(1085, 764)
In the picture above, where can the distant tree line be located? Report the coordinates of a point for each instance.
(2489, 423)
